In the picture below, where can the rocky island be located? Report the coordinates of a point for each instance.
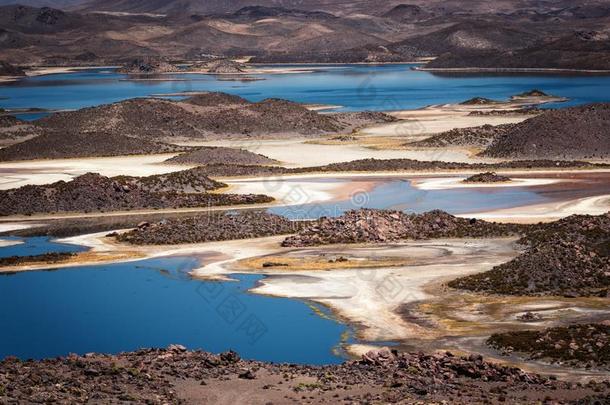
(95, 193)
(487, 177)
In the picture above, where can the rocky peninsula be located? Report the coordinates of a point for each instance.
(569, 257)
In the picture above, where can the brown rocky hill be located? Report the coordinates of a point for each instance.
(93, 192)
(375, 226)
(203, 116)
(468, 36)
(581, 50)
(59, 144)
(6, 69)
(211, 227)
(571, 133)
(568, 257)
(220, 155)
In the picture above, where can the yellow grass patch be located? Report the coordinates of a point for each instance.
(312, 263)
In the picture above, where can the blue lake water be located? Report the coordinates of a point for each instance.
(355, 87)
(401, 195)
(36, 246)
(154, 303)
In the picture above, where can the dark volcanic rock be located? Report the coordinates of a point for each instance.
(59, 145)
(93, 192)
(6, 69)
(479, 101)
(202, 116)
(464, 137)
(389, 165)
(176, 375)
(54, 257)
(586, 345)
(221, 155)
(571, 133)
(224, 66)
(487, 177)
(366, 226)
(212, 99)
(568, 257)
(141, 66)
(211, 227)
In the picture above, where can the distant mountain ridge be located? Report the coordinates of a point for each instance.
(462, 34)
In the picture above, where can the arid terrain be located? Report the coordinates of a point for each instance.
(454, 249)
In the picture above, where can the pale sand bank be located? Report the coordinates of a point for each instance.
(52, 70)
(458, 182)
(304, 153)
(547, 212)
(371, 297)
(7, 243)
(15, 226)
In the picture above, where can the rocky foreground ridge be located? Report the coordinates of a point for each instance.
(175, 375)
(93, 192)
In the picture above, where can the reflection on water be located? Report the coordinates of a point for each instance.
(401, 195)
(355, 87)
